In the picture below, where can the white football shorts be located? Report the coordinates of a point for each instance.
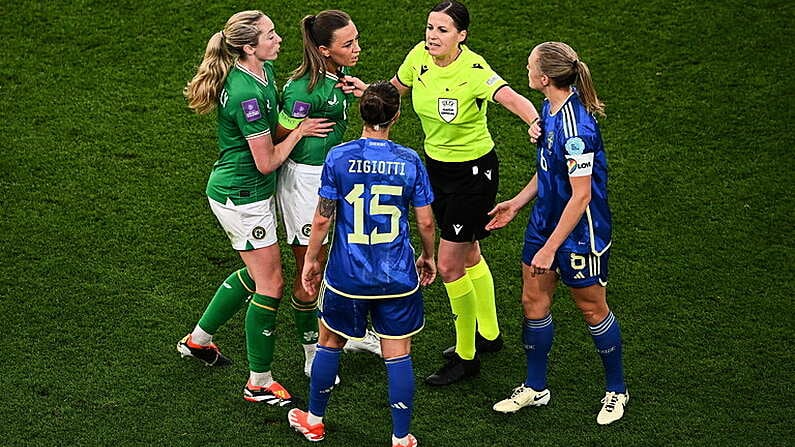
(296, 194)
(248, 226)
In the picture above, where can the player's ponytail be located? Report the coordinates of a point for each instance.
(379, 105)
(586, 89)
(223, 50)
(317, 31)
(564, 68)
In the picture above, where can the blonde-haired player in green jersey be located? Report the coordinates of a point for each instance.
(236, 78)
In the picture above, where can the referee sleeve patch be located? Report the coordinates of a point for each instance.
(493, 79)
(580, 165)
(251, 109)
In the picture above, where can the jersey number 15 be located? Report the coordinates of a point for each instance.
(376, 208)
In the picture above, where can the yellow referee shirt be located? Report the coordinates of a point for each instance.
(451, 102)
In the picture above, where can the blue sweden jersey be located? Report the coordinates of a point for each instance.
(374, 182)
(570, 146)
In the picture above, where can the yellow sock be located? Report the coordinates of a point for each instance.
(485, 305)
(462, 303)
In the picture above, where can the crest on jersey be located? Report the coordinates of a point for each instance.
(448, 109)
(550, 139)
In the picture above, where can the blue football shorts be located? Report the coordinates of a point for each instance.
(394, 318)
(575, 269)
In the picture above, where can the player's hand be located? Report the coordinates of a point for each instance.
(310, 276)
(426, 267)
(541, 262)
(535, 132)
(315, 127)
(352, 84)
(501, 215)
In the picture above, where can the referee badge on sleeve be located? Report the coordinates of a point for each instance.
(448, 109)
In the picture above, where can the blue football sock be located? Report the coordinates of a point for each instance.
(607, 338)
(400, 375)
(321, 382)
(537, 338)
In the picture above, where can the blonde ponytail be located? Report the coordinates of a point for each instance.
(223, 50)
(560, 63)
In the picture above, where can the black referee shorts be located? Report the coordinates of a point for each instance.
(464, 194)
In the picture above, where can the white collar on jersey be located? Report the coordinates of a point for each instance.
(262, 79)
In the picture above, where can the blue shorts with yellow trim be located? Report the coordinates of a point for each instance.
(575, 269)
(391, 317)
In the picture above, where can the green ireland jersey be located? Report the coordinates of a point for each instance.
(247, 109)
(451, 102)
(324, 101)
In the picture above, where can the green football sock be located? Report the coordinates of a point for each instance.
(260, 332)
(228, 299)
(462, 303)
(305, 315)
(485, 303)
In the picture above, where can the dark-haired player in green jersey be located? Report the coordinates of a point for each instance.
(331, 45)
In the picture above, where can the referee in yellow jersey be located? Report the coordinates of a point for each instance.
(450, 87)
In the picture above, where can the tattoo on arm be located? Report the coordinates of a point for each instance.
(326, 207)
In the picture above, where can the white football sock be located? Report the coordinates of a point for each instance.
(200, 336)
(260, 379)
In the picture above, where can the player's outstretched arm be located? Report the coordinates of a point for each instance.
(517, 104)
(426, 263)
(504, 212)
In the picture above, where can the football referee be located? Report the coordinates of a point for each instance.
(450, 88)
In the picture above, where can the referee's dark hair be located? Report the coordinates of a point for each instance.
(379, 104)
(457, 11)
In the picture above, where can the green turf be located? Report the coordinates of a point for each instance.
(110, 252)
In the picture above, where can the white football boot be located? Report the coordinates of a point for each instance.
(612, 407)
(370, 343)
(522, 396)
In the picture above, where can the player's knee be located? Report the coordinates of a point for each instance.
(593, 313)
(535, 305)
(450, 269)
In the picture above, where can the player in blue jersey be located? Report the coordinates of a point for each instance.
(568, 236)
(369, 184)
